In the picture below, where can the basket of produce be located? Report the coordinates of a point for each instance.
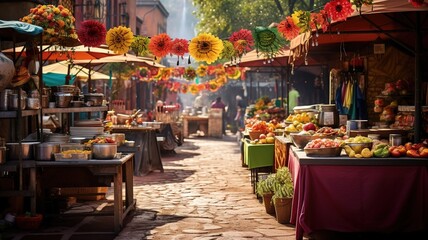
(323, 147)
(358, 143)
(301, 139)
(254, 134)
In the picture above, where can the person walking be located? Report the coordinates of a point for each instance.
(293, 99)
(240, 112)
(218, 103)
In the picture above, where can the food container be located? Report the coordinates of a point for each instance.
(104, 150)
(358, 147)
(45, 151)
(119, 138)
(45, 101)
(94, 99)
(328, 115)
(129, 143)
(63, 99)
(4, 96)
(66, 89)
(301, 140)
(13, 101)
(33, 103)
(395, 139)
(27, 150)
(323, 152)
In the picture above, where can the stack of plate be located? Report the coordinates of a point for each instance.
(86, 132)
(56, 137)
(88, 123)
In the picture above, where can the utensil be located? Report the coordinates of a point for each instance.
(96, 99)
(104, 150)
(45, 151)
(27, 150)
(323, 152)
(358, 147)
(300, 140)
(33, 103)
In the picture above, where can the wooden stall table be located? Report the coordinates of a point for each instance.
(148, 157)
(202, 122)
(358, 195)
(90, 173)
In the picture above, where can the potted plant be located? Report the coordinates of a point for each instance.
(283, 194)
(265, 190)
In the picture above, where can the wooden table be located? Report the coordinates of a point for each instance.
(202, 122)
(148, 157)
(358, 195)
(75, 173)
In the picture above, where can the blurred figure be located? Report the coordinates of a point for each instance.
(219, 104)
(200, 101)
(293, 99)
(240, 112)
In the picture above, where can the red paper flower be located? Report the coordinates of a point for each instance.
(417, 3)
(92, 33)
(160, 45)
(179, 47)
(242, 40)
(288, 28)
(338, 10)
(319, 21)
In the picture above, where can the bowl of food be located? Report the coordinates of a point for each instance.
(358, 147)
(300, 140)
(323, 152)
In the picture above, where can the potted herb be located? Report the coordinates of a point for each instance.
(265, 190)
(283, 194)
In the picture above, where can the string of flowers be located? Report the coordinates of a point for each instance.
(92, 33)
(119, 39)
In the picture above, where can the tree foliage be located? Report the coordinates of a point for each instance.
(223, 17)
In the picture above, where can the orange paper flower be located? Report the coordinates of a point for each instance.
(160, 45)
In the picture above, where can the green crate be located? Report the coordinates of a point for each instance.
(258, 155)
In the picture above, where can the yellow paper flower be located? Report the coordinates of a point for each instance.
(57, 22)
(205, 47)
(201, 71)
(119, 39)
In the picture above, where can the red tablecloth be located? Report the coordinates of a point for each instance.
(343, 198)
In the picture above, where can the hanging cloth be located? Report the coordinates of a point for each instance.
(338, 98)
(358, 110)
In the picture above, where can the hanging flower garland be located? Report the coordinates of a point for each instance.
(212, 86)
(242, 41)
(164, 74)
(268, 41)
(144, 72)
(119, 39)
(338, 10)
(140, 45)
(178, 72)
(221, 80)
(205, 47)
(417, 3)
(233, 72)
(193, 88)
(160, 45)
(319, 21)
(288, 28)
(175, 87)
(302, 20)
(57, 22)
(184, 88)
(228, 52)
(92, 33)
(202, 70)
(179, 47)
(189, 73)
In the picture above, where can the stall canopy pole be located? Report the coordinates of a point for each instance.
(418, 76)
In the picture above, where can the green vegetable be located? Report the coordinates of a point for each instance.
(381, 151)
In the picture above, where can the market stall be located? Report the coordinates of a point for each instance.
(379, 195)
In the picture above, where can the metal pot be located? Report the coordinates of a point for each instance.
(119, 138)
(63, 99)
(27, 150)
(13, 101)
(94, 99)
(4, 96)
(104, 150)
(45, 151)
(33, 103)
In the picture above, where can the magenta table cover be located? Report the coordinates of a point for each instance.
(359, 198)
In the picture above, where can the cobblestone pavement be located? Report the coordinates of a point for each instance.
(204, 193)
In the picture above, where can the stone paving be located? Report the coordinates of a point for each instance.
(204, 193)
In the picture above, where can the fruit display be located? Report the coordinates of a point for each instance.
(268, 138)
(301, 118)
(257, 126)
(326, 132)
(323, 143)
(381, 150)
(99, 140)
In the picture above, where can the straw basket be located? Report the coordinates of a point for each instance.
(254, 135)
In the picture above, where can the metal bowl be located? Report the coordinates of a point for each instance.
(104, 150)
(63, 99)
(323, 152)
(358, 147)
(300, 140)
(27, 150)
